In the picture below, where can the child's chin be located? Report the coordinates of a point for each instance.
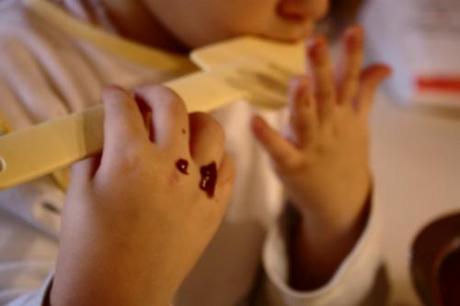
(294, 38)
(297, 34)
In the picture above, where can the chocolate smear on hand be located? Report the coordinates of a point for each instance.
(208, 179)
(182, 166)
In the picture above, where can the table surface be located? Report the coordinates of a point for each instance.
(416, 162)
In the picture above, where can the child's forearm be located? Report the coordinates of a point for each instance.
(316, 251)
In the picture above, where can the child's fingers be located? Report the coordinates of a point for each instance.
(123, 121)
(84, 170)
(324, 77)
(170, 118)
(283, 153)
(371, 78)
(351, 66)
(207, 139)
(302, 111)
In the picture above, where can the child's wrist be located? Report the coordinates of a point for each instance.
(335, 224)
(318, 247)
(337, 214)
(329, 224)
(337, 218)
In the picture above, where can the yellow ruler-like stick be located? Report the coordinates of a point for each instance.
(243, 68)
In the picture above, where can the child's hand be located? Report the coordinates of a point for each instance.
(324, 159)
(137, 218)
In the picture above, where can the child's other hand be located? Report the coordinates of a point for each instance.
(137, 218)
(324, 160)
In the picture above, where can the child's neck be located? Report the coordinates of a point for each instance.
(134, 21)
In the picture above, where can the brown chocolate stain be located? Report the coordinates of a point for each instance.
(208, 179)
(182, 166)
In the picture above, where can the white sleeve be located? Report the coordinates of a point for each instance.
(38, 203)
(350, 285)
(37, 298)
(34, 86)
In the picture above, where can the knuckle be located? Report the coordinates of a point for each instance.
(175, 106)
(165, 92)
(352, 75)
(349, 88)
(205, 123)
(162, 94)
(290, 165)
(326, 94)
(351, 82)
(130, 158)
(113, 93)
(216, 129)
(162, 97)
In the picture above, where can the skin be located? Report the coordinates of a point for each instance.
(180, 25)
(322, 160)
(120, 240)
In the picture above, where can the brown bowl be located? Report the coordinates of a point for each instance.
(435, 262)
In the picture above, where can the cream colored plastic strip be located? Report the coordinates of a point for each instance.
(145, 56)
(44, 148)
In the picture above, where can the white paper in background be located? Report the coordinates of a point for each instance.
(420, 39)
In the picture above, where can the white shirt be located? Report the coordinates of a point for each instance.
(246, 262)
